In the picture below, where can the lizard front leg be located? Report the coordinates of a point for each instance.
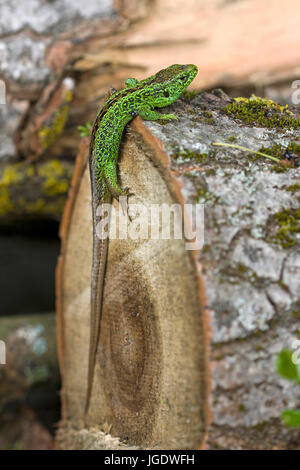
(150, 115)
(131, 82)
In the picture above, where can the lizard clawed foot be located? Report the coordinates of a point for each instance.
(123, 201)
(165, 118)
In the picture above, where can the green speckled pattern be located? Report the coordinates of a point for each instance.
(138, 98)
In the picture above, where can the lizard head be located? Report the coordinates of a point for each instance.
(171, 82)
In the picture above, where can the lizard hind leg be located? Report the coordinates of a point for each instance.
(115, 190)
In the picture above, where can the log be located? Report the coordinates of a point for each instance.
(33, 191)
(30, 354)
(29, 379)
(151, 360)
(189, 337)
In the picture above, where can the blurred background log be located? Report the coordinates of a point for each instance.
(152, 382)
(33, 191)
(29, 382)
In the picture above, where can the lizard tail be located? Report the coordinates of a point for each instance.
(98, 272)
(100, 195)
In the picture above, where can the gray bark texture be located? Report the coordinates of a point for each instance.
(251, 273)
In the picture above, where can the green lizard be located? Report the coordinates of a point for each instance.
(137, 99)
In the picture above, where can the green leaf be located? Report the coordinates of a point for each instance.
(286, 367)
(84, 131)
(291, 418)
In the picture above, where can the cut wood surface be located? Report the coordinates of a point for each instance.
(152, 379)
(149, 382)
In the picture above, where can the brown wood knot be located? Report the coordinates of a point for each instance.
(131, 349)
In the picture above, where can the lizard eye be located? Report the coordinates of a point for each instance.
(166, 94)
(182, 78)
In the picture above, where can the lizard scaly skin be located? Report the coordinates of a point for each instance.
(137, 99)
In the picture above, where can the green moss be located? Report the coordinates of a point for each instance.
(293, 188)
(259, 426)
(242, 269)
(241, 408)
(189, 95)
(42, 206)
(294, 148)
(203, 195)
(16, 445)
(29, 171)
(69, 96)
(56, 178)
(235, 273)
(262, 112)
(278, 151)
(283, 286)
(6, 204)
(11, 175)
(208, 117)
(296, 314)
(288, 221)
(49, 134)
(35, 207)
(210, 172)
(188, 155)
(279, 168)
(231, 139)
(218, 357)
(204, 117)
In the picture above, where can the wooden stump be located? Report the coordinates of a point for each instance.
(149, 385)
(152, 380)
